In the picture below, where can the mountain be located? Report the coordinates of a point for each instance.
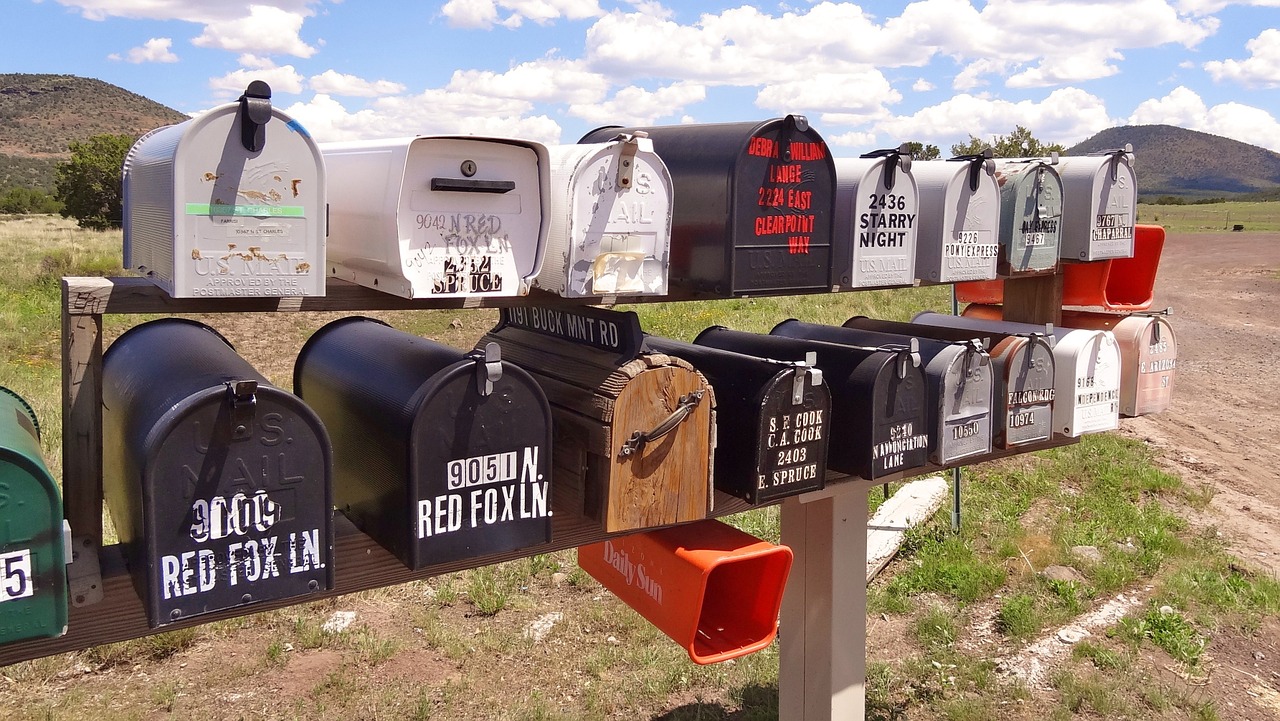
(1189, 164)
(40, 115)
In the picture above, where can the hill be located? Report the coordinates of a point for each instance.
(1190, 164)
(40, 115)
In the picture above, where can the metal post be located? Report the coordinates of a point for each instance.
(955, 472)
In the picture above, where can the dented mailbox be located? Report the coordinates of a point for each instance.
(438, 217)
(610, 229)
(876, 222)
(1148, 356)
(753, 205)
(439, 455)
(1030, 216)
(1100, 193)
(959, 237)
(229, 203)
(218, 482)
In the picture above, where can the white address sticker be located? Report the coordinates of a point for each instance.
(15, 575)
(481, 470)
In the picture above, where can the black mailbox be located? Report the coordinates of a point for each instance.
(753, 207)
(773, 420)
(878, 398)
(217, 481)
(438, 454)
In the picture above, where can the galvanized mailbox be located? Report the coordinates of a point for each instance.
(877, 219)
(878, 398)
(1022, 369)
(774, 420)
(959, 384)
(438, 217)
(1030, 216)
(230, 203)
(753, 205)
(959, 236)
(610, 229)
(438, 454)
(217, 481)
(1086, 371)
(33, 536)
(1100, 193)
(1148, 357)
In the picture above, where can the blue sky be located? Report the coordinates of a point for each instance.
(867, 75)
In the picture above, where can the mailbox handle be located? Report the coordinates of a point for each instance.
(978, 162)
(684, 408)
(468, 185)
(255, 113)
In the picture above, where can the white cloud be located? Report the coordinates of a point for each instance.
(196, 11)
(1260, 70)
(433, 112)
(332, 82)
(1208, 7)
(483, 14)
(858, 140)
(155, 50)
(547, 80)
(922, 85)
(637, 106)
(267, 30)
(249, 60)
(863, 93)
(1184, 108)
(283, 79)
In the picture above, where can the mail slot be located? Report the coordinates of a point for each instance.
(217, 481)
(33, 539)
(1030, 216)
(438, 454)
(959, 237)
(229, 203)
(1086, 371)
(959, 385)
(1148, 357)
(1101, 197)
(877, 219)
(1022, 371)
(440, 216)
(878, 398)
(773, 420)
(753, 205)
(634, 431)
(610, 229)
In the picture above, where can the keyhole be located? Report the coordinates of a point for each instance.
(468, 168)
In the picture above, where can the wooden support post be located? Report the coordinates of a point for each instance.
(82, 445)
(1037, 299)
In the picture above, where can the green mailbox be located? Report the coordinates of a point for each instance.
(33, 553)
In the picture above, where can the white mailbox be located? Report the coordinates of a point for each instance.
(959, 236)
(610, 229)
(877, 219)
(438, 216)
(231, 203)
(1100, 194)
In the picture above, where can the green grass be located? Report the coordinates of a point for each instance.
(1213, 217)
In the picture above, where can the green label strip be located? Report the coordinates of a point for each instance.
(289, 211)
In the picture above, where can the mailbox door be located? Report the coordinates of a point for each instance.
(898, 434)
(965, 395)
(1094, 368)
(1030, 217)
(1106, 186)
(1027, 367)
(877, 209)
(959, 237)
(1157, 363)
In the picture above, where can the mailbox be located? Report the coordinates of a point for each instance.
(774, 420)
(959, 236)
(635, 432)
(229, 203)
(610, 229)
(1101, 197)
(878, 398)
(754, 204)
(438, 217)
(1030, 216)
(1148, 357)
(1022, 370)
(33, 536)
(877, 219)
(959, 381)
(217, 481)
(438, 454)
(1086, 371)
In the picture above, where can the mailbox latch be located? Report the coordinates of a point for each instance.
(978, 163)
(488, 368)
(630, 145)
(900, 155)
(808, 368)
(255, 113)
(243, 401)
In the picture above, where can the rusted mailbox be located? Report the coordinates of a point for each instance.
(753, 205)
(773, 420)
(229, 203)
(1100, 193)
(1022, 368)
(1030, 215)
(1086, 371)
(438, 455)
(634, 431)
(1148, 356)
(877, 219)
(33, 536)
(878, 398)
(610, 229)
(959, 381)
(438, 217)
(217, 481)
(959, 237)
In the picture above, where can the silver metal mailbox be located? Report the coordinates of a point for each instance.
(439, 216)
(877, 218)
(610, 229)
(959, 235)
(1101, 196)
(231, 203)
(1030, 216)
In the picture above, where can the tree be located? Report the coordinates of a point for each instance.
(88, 185)
(1018, 144)
(920, 151)
(15, 201)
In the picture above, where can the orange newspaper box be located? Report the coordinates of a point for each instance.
(713, 589)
